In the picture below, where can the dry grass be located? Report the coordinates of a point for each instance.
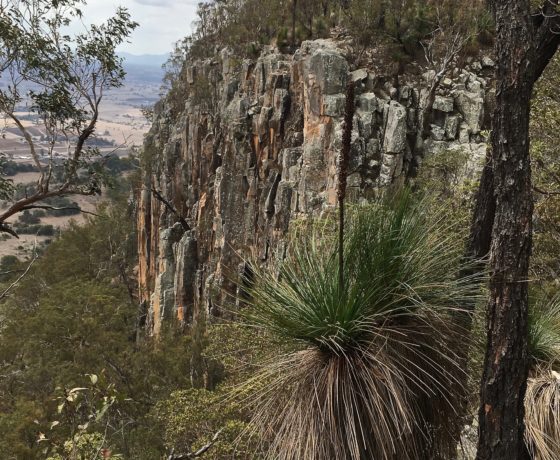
(542, 415)
(392, 400)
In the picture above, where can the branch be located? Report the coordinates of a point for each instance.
(16, 282)
(171, 208)
(342, 171)
(28, 139)
(54, 208)
(9, 272)
(5, 229)
(199, 452)
(544, 192)
(83, 137)
(547, 35)
(20, 205)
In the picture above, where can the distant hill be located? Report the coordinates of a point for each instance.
(147, 60)
(145, 68)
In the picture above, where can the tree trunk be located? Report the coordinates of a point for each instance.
(504, 381)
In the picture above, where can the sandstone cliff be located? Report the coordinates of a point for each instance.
(248, 146)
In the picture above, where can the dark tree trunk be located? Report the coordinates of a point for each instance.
(519, 60)
(506, 365)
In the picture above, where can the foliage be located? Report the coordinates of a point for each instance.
(69, 335)
(85, 446)
(191, 418)
(450, 176)
(11, 168)
(78, 408)
(7, 187)
(376, 356)
(226, 23)
(35, 229)
(544, 331)
(245, 26)
(74, 315)
(545, 138)
(27, 218)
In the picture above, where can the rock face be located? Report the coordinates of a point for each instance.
(249, 146)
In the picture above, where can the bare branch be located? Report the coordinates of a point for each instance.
(54, 208)
(545, 192)
(547, 35)
(20, 205)
(28, 139)
(171, 208)
(199, 452)
(454, 42)
(5, 229)
(16, 282)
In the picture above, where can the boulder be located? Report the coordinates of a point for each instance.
(359, 75)
(330, 70)
(443, 104)
(367, 102)
(471, 106)
(395, 129)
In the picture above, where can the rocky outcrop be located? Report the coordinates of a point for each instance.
(251, 145)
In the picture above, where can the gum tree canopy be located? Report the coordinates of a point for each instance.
(60, 77)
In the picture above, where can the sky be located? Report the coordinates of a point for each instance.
(162, 22)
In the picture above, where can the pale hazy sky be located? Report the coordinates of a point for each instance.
(162, 22)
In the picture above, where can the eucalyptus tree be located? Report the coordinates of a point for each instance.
(527, 37)
(60, 77)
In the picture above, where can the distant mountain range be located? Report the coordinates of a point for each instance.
(147, 60)
(140, 69)
(145, 68)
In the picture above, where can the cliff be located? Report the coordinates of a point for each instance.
(246, 147)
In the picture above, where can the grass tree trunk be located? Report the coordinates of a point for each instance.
(521, 56)
(343, 176)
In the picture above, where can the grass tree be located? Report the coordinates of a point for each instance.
(542, 400)
(371, 369)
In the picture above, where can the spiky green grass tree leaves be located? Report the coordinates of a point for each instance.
(542, 400)
(373, 373)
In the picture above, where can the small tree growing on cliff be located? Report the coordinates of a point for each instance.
(62, 79)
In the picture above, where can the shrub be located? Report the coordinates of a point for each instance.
(45, 230)
(27, 218)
